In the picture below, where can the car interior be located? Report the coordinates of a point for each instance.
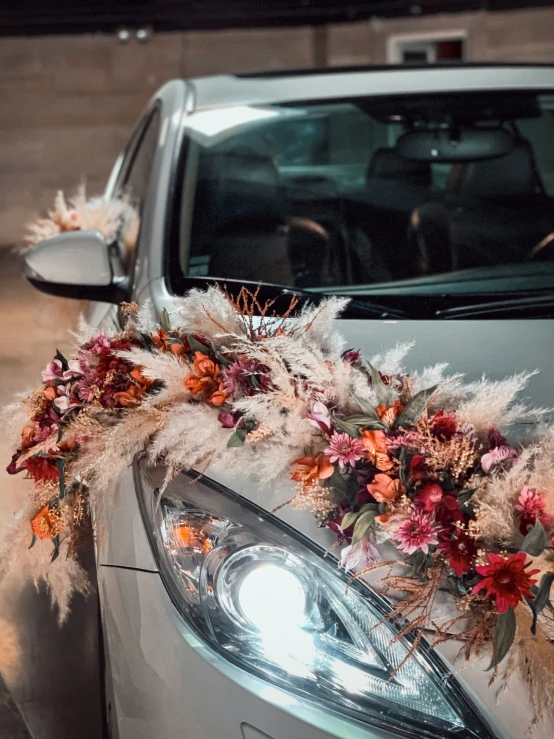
(370, 193)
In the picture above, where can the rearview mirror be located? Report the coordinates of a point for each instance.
(77, 264)
(461, 145)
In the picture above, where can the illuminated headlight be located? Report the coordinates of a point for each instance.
(267, 600)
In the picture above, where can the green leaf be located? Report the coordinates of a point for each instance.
(60, 464)
(56, 543)
(465, 495)
(348, 519)
(33, 541)
(63, 360)
(237, 438)
(197, 346)
(541, 599)
(348, 427)
(503, 637)
(338, 482)
(417, 561)
(147, 341)
(535, 541)
(381, 390)
(165, 322)
(364, 522)
(414, 408)
(368, 422)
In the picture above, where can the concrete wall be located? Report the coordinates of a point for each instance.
(68, 103)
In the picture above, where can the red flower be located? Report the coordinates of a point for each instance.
(448, 511)
(418, 468)
(428, 498)
(506, 580)
(444, 425)
(459, 549)
(41, 468)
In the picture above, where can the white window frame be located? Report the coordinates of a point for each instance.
(397, 42)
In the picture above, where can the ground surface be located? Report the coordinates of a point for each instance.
(52, 674)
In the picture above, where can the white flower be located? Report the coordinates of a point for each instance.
(359, 555)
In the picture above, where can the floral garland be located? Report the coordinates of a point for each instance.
(116, 219)
(414, 465)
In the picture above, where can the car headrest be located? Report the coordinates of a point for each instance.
(388, 164)
(240, 188)
(513, 175)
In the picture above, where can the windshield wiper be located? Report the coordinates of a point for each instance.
(529, 304)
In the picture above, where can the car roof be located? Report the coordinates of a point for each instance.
(346, 82)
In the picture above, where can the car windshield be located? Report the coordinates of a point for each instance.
(434, 194)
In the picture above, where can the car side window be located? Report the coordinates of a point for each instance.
(135, 175)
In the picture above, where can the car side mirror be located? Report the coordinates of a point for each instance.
(79, 265)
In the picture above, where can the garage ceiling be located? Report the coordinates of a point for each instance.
(77, 16)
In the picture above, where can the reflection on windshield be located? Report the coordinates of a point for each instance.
(372, 191)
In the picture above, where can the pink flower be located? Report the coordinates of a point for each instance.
(499, 456)
(359, 556)
(344, 449)
(66, 401)
(417, 532)
(532, 508)
(96, 344)
(52, 371)
(320, 417)
(244, 377)
(73, 370)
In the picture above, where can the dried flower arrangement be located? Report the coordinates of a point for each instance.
(116, 219)
(413, 464)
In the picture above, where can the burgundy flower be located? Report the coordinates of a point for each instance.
(231, 420)
(444, 425)
(244, 377)
(495, 437)
(448, 512)
(459, 549)
(428, 498)
(353, 357)
(418, 468)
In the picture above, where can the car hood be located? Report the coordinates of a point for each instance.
(496, 348)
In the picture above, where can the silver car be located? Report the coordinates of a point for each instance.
(426, 195)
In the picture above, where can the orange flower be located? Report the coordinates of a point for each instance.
(204, 366)
(375, 444)
(142, 381)
(47, 523)
(161, 340)
(311, 469)
(390, 414)
(205, 379)
(218, 397)
(384, 489)
(50, 393)
(128, 398)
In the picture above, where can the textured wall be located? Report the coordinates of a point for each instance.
(68, 103)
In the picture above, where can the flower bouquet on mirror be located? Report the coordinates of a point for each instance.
(116, 218)
(420, 476)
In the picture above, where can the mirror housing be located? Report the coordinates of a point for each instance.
(78, 265)
(461, 145)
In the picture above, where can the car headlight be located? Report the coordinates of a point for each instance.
(266, 599)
